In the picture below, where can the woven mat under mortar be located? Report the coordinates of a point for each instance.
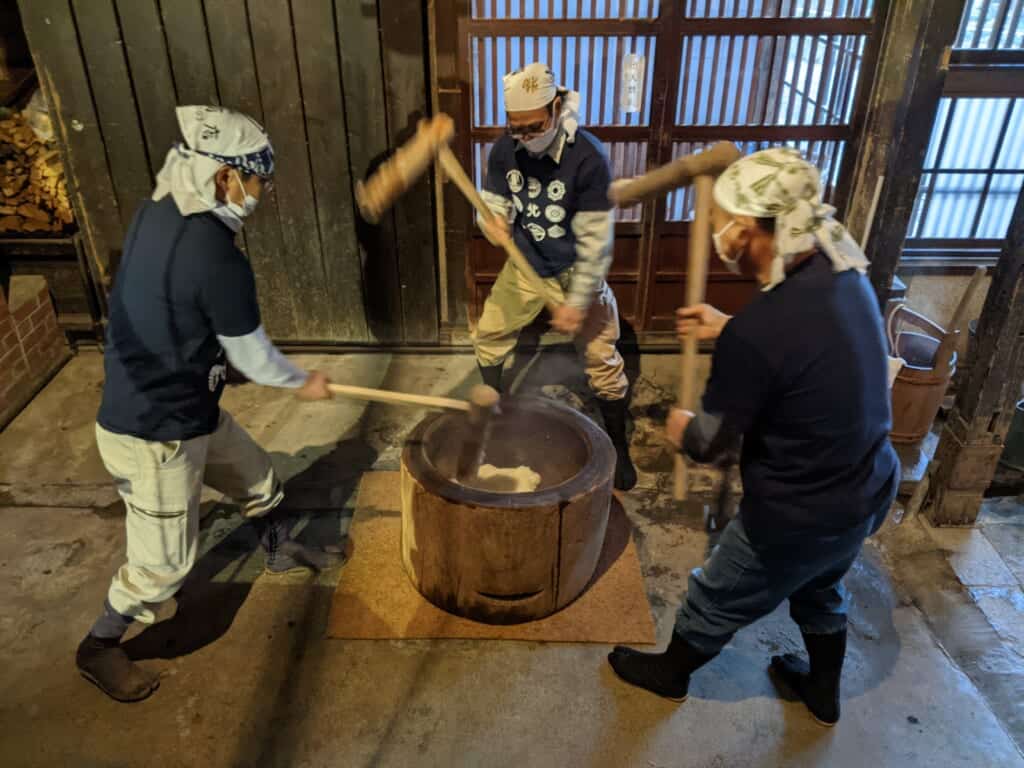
(375, 599)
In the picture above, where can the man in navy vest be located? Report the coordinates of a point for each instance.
(183, 306)
(547, 183)
(800, 374)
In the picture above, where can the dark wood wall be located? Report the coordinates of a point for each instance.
(336, 83)
(13, 46)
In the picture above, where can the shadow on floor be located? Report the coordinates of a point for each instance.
(284, 682)
(206, 609)
(873, 642)
(221, 580)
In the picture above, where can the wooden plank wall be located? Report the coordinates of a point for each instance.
(338, 85)
(406, 95)
(360, 43)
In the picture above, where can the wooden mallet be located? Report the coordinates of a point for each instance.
(403, 168)
(481, 406)
(411, 161)
(699, 170)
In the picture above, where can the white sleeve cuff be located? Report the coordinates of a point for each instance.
(500, 206)
(256, 357)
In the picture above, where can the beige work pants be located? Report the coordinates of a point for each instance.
(513, 304)
(161, 484)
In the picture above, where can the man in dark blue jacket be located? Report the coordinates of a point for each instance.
(800, 374)
(547, 184)
(183, 305)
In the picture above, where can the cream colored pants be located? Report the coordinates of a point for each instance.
(514, 304)
(161, 484)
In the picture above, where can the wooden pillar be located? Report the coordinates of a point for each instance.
(886, 109)
(451, 96)
(904, 101)
(972, 438)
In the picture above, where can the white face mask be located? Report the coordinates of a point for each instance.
(732, 263)
(540, 143)
(247, 206)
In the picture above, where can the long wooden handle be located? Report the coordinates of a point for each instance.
(681, 172)
(453, 169)
(696, 279)
(944, 354)
(399, 398)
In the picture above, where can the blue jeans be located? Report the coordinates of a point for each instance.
(743, 581)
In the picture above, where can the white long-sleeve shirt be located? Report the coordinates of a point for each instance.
(256, 357)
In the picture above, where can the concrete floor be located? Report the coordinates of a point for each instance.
(250, 680)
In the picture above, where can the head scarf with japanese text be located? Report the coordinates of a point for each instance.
(213, 137)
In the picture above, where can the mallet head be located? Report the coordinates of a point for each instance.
(409, 162)
(483, 403)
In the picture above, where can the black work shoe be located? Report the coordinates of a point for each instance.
(105, 664)
(286, 555)
(614, 413)
(666, 674)
(817, 682)
(491, 374)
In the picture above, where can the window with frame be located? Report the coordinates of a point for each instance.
(974, 167)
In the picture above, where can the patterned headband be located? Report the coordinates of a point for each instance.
(260, 163)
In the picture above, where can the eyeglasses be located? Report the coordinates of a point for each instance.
(527, 132)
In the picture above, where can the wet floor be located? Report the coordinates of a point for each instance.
(249, 679)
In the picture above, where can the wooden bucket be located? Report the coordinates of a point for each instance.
(921, 386)
(916, 396)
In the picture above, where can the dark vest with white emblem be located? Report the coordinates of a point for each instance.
(547, 194)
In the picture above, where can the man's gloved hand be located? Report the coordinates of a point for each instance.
(675, 426)
(566, 319)
(315, 388)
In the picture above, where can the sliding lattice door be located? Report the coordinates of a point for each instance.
(660, 79)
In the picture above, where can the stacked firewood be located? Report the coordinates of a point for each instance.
(33, 190)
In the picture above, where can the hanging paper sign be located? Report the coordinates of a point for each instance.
(632, 82)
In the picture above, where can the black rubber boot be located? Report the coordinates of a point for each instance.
(614, 413)
(816, 683)
(105, 664)
(285, 554)
(666, 674)
(491, 374)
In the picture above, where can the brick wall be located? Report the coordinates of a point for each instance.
(32, 347)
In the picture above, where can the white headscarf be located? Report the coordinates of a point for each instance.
(533, 87)
(214, 137)
(779, 183)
